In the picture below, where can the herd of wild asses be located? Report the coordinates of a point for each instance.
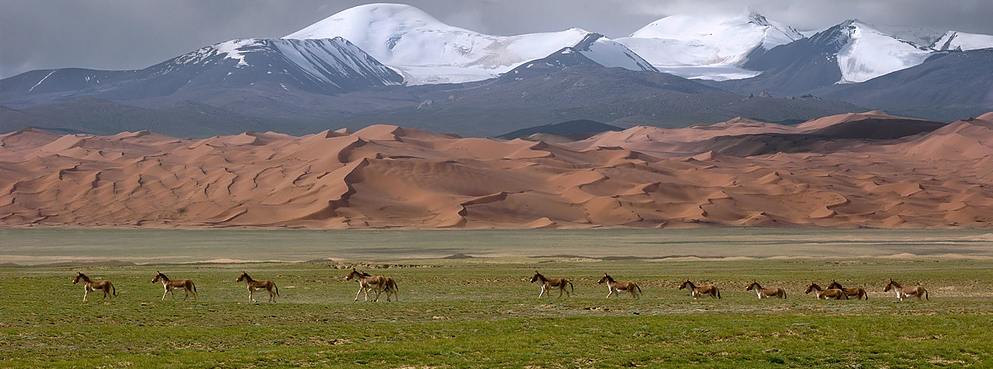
(380, 284)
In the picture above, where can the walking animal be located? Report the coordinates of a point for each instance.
(180, 284)
(97, 285)
(254, 285)
(765, 293)
(547, 284)
(905, 292)
(618, 287)
(697, 292)
(856, 292)
(389, 288)
(828, 294)
(377, 283)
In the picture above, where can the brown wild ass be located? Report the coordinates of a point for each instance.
(697, 292)
(828, 294)
(377, 283)
(97, 285)
(547, 284)
(618, 287)
(856, 292)
(905, 292)
(765, 293)
(170, 285)
(254, 285)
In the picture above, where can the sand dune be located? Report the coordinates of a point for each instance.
(388, 176)
(744, 137)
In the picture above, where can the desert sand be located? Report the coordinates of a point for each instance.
(392, 177)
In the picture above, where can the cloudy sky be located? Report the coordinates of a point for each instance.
(133, 34)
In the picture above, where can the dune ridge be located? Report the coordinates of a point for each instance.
(387, 176)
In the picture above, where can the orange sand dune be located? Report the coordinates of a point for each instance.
(389, 176)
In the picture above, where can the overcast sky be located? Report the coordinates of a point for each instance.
(133, 34)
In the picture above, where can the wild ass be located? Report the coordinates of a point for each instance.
(618, 287)
(828, 294)
(698, 292)
(171, 285)
(97, 285)
(904, 292)
(765, 293)
(377, 283)
(856, 292)
(547, 284)
(254, 285)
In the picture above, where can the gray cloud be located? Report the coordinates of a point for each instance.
(106, 34)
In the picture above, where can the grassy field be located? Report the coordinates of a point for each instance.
(34, 246)
(483, 313)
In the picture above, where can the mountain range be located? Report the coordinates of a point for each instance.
(390, 63)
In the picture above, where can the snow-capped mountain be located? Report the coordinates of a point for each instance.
(427, 51)
(324, 66)
(330, 65)
(962, 41)
(867, 53)
(611, 54)
(848, 52)
(708, 47)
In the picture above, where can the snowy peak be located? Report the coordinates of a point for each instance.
(322, 66)
(426, 50)
(565, 58)
(864, 52)
(775, 33)
(729, 36)
(709, 47)
(594, 50)
(962, 41)
(319, 65)
(611, 54)
(389, 18)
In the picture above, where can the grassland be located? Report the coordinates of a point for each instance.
(483, 313)
(33, 246)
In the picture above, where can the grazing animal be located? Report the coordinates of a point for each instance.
(547, 284)
(697, 292)
(828, 294)
(376, 283)
(171, 285)
(856, 292)
(390, 288)
(254, 285)
(765, 293)
(905, 292)
(97, 285)
(618, 287)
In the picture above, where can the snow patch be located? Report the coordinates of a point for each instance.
(233, 49)
(42, 80)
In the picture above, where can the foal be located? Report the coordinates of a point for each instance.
(857, 292)
(547, 284)
(904, 292)
(828, 294)
(697, 292)
(765, 293)
(170, 285)
(367, 282)
(254, 285)
(618, 287)
(91, 285)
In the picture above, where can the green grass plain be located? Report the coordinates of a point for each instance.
(481, 312)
